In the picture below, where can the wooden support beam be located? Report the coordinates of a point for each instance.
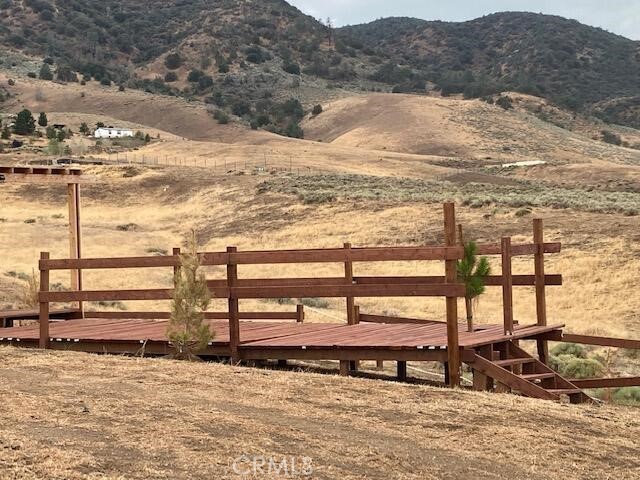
(43, 317)
(619, 382)
(234, 318)
(601, 341)
(481, 381)
(507, 286)
(451, 276)
(344, 368)
(402, 371)
(541, 300)
(299, 313)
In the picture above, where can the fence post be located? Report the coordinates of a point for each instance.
(300, 313)
(451, 276)
(507, 286)
(234, 315)
(351, 311)
(43, 319)
(541, 300)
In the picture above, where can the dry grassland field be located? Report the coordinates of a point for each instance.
(374, 170)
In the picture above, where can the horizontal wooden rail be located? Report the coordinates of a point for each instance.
(601, 341)
(366, 318)
(492, 280)
(208, 315)
(329, 291)
(617, 382)
(327, 255)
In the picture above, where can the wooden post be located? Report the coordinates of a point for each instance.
(460, 236)
(507, 286)
(43, 319)
(300, 313)
(541, 300)
(234, 316)
(348, 276)
(402, 371)
(75, 236)
(351, 311)
(356, 314)
(451, 276)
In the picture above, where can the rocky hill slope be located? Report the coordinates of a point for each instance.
(248, 57)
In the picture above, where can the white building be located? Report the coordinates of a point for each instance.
(110, 132)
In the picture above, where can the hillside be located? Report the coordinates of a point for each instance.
(71, 421)
(467, 129)
(247, 58)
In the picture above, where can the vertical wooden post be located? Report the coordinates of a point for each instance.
(356, 314)
(507, 286)
(43, 318)
(75, 236)
(348, 276)
(350, 301)
(402, 371)
(234, 315)
(541, 300)
(451, 276)
(300, 313)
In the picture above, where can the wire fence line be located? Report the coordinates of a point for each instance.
(217, 166)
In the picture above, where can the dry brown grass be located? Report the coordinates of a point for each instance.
(599, 261)
(84, 416)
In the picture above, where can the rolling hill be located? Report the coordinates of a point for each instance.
(248, 57)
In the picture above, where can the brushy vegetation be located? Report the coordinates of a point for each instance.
(313, 189)
(242, 55)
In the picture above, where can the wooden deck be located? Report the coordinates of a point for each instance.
(273, 340)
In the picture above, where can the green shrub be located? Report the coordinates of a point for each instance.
(611, 137)
(317, 110)
(569, 349)
(221, 116)
(628, 395)
(173, 61)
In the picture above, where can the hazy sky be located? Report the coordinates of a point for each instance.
(617, 16)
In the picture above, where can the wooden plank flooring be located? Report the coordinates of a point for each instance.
(280, 336)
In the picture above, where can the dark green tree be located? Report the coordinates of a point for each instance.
(25, 124)
(42, 119)
(84, 128)
(45, 72)
(472, 272)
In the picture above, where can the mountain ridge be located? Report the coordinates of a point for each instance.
(248, 58)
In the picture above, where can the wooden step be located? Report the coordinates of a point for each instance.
(514, 361)
(564, 391)
(537, 376)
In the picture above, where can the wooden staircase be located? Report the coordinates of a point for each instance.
(506, 367)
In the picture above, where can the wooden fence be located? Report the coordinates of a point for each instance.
(348, 286)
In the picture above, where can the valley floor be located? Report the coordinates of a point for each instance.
(86, 417)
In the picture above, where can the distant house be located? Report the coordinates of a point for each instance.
(110, 132)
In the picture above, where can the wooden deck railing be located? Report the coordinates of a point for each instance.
(350, 286)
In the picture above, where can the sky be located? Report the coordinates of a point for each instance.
(618, 16)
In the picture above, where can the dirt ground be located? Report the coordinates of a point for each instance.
(105, 417)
